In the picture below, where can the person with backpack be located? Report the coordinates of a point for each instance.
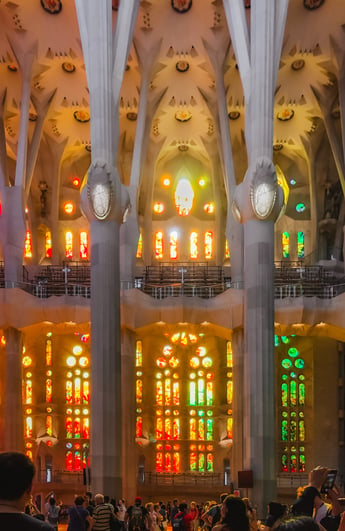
(137, 516)
(183, 519)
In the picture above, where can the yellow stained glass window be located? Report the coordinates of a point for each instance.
(28, 427)
(69, 244)
(194, 245)
(49, 425)
(208, 245)
(139, 253)
(159, 245)
(173, 245)
(28, 245)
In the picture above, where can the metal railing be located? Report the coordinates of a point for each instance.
(166, 478)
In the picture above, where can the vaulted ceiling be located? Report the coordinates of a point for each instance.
(181, 32)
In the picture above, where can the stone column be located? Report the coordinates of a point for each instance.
(128, 415)
(106, 466)
(237, 404)
(13, 421)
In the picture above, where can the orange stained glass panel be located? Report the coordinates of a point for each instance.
(49, 390)
(28, 392)
(159, 461)
(208, 245)
(69, 460)
(28, 427)
(176, 394)
(201, 429)
(173, 245)
(69, 392)
(86, 428)
(139, 253)
(83, 245)
(159, 428)
(176, 462)
(167, 462)
(229, 354)
(139, 427)
(159, 393)
(28, 245)
(48, 245)
(167, 392)
(176, 429)
(77, 461)
(227, 250)
(76, 428)
(69, 428)
(229, 391)
(49, 352)
(159, 245)
(69, 244)
(194, 245)
(229, 427)
(192, 429)
(139, 391)
(139, 354)
(49, 425)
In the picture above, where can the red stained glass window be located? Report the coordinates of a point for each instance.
(86, 428)
(86, 392)
(69, 428)
(28, 245)
(139, 427)
(48, 352)
(48, 245)
(159, 245)
(77, 428)
(69, 460)
(69, 392)
(49, 425)
(49, 390)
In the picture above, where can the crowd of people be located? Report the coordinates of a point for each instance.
(315, 509)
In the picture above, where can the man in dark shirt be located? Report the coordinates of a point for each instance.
(16, 475)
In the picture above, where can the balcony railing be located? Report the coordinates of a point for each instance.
(205, 282)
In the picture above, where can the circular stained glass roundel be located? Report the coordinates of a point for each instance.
(293, 352)
(194, 362)
(286, 363)
(161, 362)
(299, 363)
(174, 362)
(207, 362)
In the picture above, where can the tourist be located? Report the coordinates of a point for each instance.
(79, 518)
(16, 475)
(234, 515)
(136, 516)
(300, 523)
(103, 514)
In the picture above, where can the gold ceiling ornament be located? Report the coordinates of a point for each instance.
(181, 6)
(53, 7)
(183, 115)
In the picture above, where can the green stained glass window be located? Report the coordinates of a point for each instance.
(293, 431)
(300, 245)
(286, 244)
(293, 463)
(293, 374)
(285, 414)
(293, 352)
(276, 341)
(209, 393)
(299, 363)
(201, 429)
(284, 394)
(284, 463)
(285, 340)
(201, 392)
(302, 463)
(293, 394)
(301, 394)
(209, 429)
(209, 462)
(192, 461)
(284, 430)
(301, 377)
(284, 376)
(301, 432)
(286, 363)
(201, 462)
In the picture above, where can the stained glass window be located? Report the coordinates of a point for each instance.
(192, 394)
(227, 249)
(49, 425)
(159, 245)
(28, 392)
(184, 197)
(292, 406)
(48, 244)
(139, 354)
(49, 390)
(139, 427)
(68, 244)
(139, 253)
(28, 245)
(208, 245)
(139, 391)
(286, 244)
(83, 245)
(300, 245)
(48, 352)
(28, 427)
(229, 427)
(173, 245)
(86, 428)
(194, 245)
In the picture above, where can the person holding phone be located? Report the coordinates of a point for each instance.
(311, 497)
